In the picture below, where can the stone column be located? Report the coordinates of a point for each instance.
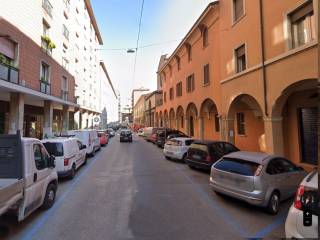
(65, 118)
(177, 123)
(229, 130)
(201, 127)
(48, 117)
(274, 135)
(16, 113)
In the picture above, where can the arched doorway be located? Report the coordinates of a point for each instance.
(295, 114)
(180, 119)
(160, 119)
(209, 120)
(166, 118)
(192, 120)
(172, 123)
(157, 119)
(245, 123)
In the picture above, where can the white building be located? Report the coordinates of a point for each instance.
(72, 27)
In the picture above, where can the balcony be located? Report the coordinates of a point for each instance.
(45, 87)
(64, 95)
(9, 73)
(47, 7)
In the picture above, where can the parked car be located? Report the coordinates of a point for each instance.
(153, 136)
(103, 138)
(147, 131)
(177, 148)
(125, 135)
(140, 132)
(111, 132)
(70, 154)
(163, 134)
(307, 198)
(257, 178)
(202, 154)
(88, 138)
(28, 179)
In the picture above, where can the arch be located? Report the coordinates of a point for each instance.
(192, 120)
(180, 118)
(245, 123)
(178, 61)
(204, 34)
(294, 122)
(160, 119)
(157, 119)
(209, 120)
(172, 118)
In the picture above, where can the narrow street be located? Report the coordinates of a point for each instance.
(130, 191)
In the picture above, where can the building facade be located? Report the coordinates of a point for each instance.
(247, 72)
(139, 111)
(49, 66)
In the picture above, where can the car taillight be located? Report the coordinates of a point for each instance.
(258, 171)
(209, 158)
(297, 200)
(66, 162)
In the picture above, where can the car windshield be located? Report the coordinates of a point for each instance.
(55, 149)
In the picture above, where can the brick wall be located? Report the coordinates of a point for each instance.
(29, 61)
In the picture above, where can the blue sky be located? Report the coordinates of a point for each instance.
(163, 21)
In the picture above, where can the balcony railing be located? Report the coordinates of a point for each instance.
(47, 6)
(9, 73)
(64, 95)
(45, 87)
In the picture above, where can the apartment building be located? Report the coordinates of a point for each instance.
(262, 78)
(139, 110)
(49, 66)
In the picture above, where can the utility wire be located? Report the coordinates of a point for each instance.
(142, 46)
(139, 32)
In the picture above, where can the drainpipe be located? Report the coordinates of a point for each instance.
(264, 78)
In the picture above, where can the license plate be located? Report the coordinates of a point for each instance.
(196, 157)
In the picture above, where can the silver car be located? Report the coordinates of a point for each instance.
(257, 178)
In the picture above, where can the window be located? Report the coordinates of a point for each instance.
(47, 7)
(217, 124)
(302, 25)
(171, 94)
(45, 28)
(179, 89)
(280, 165)
(45, 78)
(55, 149)
(238, 9)
(229, 148)
(190, 83)
(206, 76)
(237, 166)
(182, 121)
(241, 124)
(189, 51)
(65, 32)
(165, 97)
(205, 37)
(40, 157)
(240, 59)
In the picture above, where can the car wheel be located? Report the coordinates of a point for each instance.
(184, 157)
(85, 160)
(93, 153)
(73, 171)
(50, 196)
(192, 167)
(274, 202)
(168, 158)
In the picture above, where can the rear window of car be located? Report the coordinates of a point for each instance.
(189, 142)
(174, 142)
(237, 166)
(55, 149)
(160, 133)
(201, 147)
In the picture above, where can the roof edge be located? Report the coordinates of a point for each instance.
(93, 20)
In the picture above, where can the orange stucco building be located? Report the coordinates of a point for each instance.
(247, 72)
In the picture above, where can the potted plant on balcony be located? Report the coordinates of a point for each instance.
(47, 44)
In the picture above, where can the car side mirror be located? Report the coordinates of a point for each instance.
(83, 147)
(52, 161)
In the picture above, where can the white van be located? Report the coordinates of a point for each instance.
(89, 138)
(69, 153)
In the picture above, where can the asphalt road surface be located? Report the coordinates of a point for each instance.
(130, 191)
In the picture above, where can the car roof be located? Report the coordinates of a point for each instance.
(59, 139)
(206, 142)
(182, 138)
(257, 157)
